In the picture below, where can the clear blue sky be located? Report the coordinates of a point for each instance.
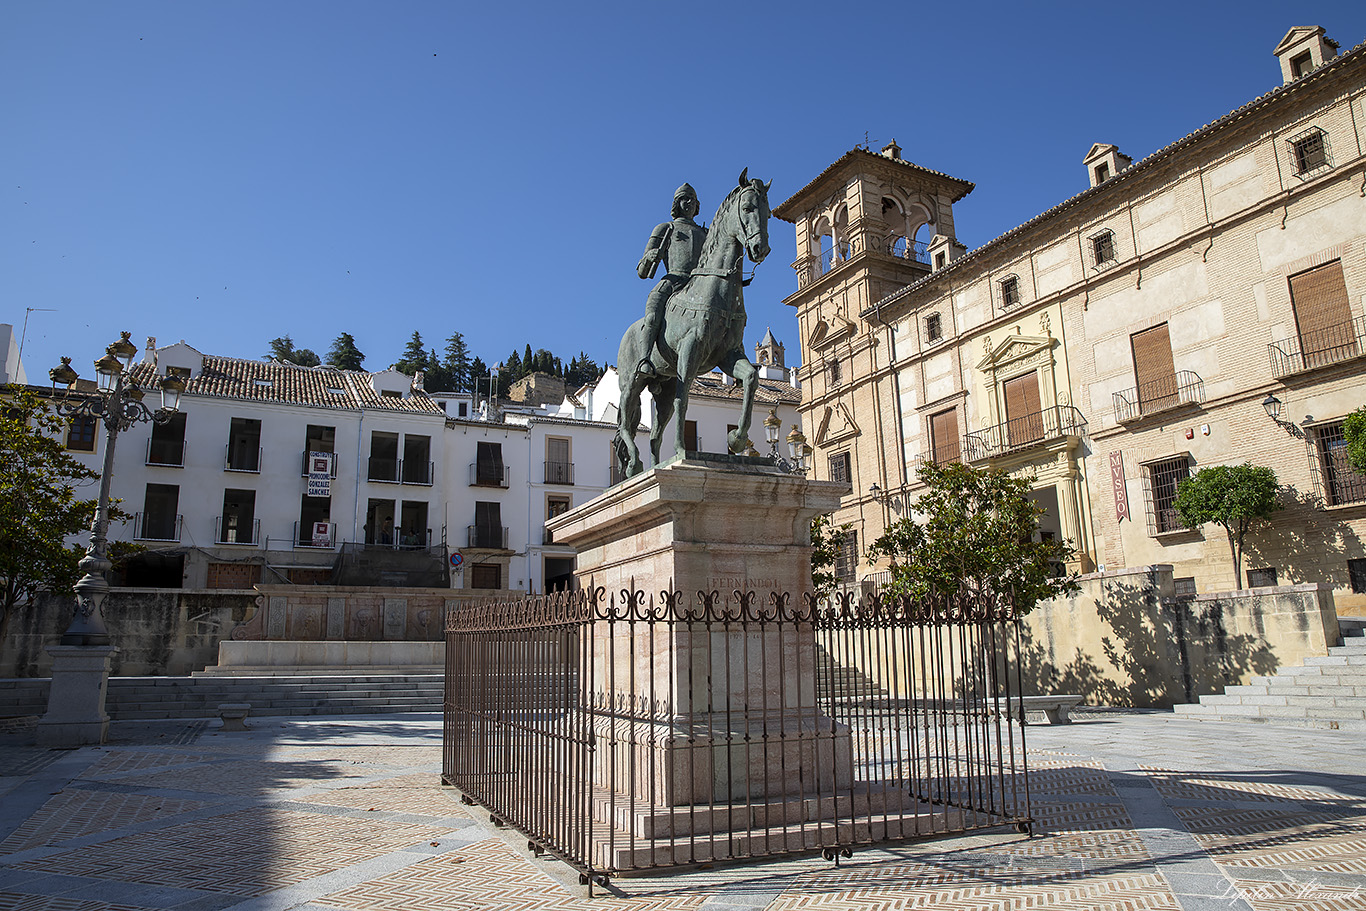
(230, 172)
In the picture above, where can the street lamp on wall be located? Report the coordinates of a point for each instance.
(119, 406)
(797, 450)
(1274, 407)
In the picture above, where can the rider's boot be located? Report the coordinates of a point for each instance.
(654, 315)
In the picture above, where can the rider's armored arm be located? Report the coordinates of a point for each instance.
(655, 250)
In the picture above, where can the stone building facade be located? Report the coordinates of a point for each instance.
(1143, 329)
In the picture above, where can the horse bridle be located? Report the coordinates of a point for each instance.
(739, 268)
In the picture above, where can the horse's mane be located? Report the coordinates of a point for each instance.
(714, 237)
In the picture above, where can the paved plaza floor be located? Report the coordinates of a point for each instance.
(1135, 810)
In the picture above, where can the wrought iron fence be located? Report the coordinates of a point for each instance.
(1318, 348)
(1023, 432)
(1181, 388)
(630, 734)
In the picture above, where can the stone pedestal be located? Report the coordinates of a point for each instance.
(75, 705)
(718, 710)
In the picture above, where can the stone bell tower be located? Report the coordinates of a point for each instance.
(866, 226)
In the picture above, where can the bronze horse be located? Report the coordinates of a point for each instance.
(704, 328)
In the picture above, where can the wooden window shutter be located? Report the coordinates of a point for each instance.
(1024, 418)
(944, 441)
(1154, 368)
(557, 449)
(1323, 315)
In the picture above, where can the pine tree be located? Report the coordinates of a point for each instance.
(512, 367)
(282, 350)
(528, 362)
(438, 377)
(414, 356)
(458, 366)
(344, 354)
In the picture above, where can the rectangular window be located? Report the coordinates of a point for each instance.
(690, 442)
(939, 260)
(846, 558)
(1010, 291)
(1102, 172)
(463, 410)
(1323, 315)
(1356, 575)
(839, 468)
(489, 470)
(238, 522)
(412, 526)
(1339, 481)
(417, 459)
(556, 505)
(944, 440)
(80, 435)
(312, 511)
(836, 374)
(1161, 479)
(1154, 369)
(1184, 587)
(558, 468)
(167, 445)
(159, 520)
(1301, 64)
(244, 445)
(383, 465)
(487, 530)
(934, 328)
(1262, 577)
(1310, 151)
(1103, 247)
(1024, 410)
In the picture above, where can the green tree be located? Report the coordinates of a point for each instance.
(344, 354)
(1354, 429)
(282, 349)
(528, 362)
(976, 536)
(1236, 497)
(414, 356)
(825, 547)
(457, 363)
(39, 506)
(438, 377)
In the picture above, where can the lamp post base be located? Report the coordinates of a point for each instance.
(75, 704)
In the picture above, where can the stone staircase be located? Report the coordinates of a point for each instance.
(1325, 692)
(143, 698)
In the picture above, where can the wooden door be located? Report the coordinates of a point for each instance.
(1024, 410)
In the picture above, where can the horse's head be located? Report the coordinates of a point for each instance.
(752, 212)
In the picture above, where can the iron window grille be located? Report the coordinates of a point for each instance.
(1010, 291)
(836, 374)
(1160, 481)
(1184, 587)
(1262, 577)
(1309, 152)
(839, 468)
(934, 327)
(1338, 482)
(1356, 575)
(1103, 248)
(846, 558)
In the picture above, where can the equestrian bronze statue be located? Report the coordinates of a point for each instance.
(703, 317)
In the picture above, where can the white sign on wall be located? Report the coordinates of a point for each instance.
(320, 474)
(322, 534)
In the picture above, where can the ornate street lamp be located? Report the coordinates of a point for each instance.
(119, 405)
(796, 445)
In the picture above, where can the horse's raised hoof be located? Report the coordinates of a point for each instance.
(736, 443)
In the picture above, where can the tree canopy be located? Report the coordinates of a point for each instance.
(282, 349)
(1236, 497)
(414, 356)
(976, 536)
(344, 354)
(39, 502)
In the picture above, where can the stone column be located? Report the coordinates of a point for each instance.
(75, 703)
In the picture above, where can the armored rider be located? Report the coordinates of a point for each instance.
(679, 244)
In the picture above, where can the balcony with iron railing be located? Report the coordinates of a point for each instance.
(416, 471)
(490, 474)
(1024, 432)
(411, 540)
(944, 455)
(332, 464)
(559, 472)
(1318, 348)
(227, 530)
(383, 470)
(304, 536)
(156, 526)
(1181, 388)
(488, 537)
(242, 458)
(906, 248)
(165, 453)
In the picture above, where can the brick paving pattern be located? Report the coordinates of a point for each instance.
(348, 814)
